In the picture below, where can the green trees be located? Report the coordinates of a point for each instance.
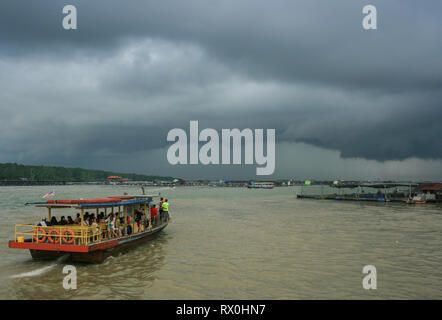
(14, 171)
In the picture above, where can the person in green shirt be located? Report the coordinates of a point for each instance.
(165, 206)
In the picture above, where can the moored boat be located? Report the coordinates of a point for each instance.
(90, 243)
(261, 185)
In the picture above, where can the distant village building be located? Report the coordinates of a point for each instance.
(114, 179)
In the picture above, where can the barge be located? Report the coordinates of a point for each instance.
(411, 193)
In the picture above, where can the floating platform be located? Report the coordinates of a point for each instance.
(366, 198)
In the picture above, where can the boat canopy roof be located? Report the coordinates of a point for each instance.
(95, 203)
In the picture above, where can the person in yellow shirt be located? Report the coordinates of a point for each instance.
(165, 206)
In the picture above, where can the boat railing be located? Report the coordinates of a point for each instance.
(60, 234)
(71, 234)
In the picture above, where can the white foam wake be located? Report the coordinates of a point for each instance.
(40, 271)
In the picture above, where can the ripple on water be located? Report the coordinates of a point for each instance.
(230, 243)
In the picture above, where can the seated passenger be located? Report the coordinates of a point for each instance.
(42, 223)
(93, 222)
(77, 219)
(54, 221)
(70, 221)
(63, 221)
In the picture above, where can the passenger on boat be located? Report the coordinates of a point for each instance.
(42, 223)
(93, 222)
(154, 215)
(63, 221)
(77, 219)
(146, 219)
(54, 221)
(160, 208)
(128, 226)
(111, 226)
(138, 218)
(70, 221)
(117, 224)
(165, 210)
(122, 229)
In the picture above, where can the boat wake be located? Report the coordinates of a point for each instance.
(40, 271)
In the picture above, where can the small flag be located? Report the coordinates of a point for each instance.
(49, 194)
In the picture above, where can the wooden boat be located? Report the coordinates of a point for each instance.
(412, 201)
(88, 243)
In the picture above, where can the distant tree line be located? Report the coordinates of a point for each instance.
(14, 171)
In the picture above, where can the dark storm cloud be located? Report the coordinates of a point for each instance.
(290, 40)
(139, 68)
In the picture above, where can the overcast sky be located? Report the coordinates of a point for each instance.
(345, 102)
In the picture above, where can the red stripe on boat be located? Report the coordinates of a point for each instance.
(48, 246)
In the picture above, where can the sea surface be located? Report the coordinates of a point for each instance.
(236, 243)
